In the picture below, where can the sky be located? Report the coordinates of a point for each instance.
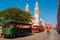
(48, 8)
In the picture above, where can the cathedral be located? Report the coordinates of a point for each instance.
(36, 21)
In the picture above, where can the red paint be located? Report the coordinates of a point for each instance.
(35, 29)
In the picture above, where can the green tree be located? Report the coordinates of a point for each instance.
(16, 14)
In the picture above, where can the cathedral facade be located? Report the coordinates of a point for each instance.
(36, 17)
(36, 21)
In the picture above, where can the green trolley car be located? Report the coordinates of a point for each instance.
(15, 28)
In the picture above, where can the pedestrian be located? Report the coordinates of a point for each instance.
(47, 31)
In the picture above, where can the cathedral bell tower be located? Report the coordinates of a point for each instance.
(36, 15)
(36, 23)
(27, 8)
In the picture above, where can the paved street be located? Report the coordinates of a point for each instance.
(53, 35)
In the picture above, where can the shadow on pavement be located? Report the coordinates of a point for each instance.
(17, 36)
(58, 32)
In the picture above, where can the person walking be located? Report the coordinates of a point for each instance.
(47, 31)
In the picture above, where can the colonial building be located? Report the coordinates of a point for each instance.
(42, 22)
(48, 27)
(58, 16)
